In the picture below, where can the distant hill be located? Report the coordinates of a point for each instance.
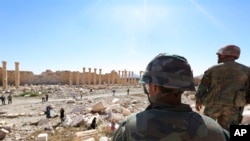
(197, 79)
(199, 76)
(134, 76)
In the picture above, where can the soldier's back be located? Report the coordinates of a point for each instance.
(165, 125)
(228, 79)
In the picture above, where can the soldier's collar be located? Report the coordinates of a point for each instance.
(176, 108)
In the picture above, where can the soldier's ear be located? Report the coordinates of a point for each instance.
(153, 89)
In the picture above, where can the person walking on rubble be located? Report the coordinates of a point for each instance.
(93, 124)
(9, 99)
(128, 91)
(43, 99)
(62, 116)
(112, 126)
(165, 79)
(46, 97)
(81, 95)
(113, 91)
(224, 89)
(47, 112)
(3, 99)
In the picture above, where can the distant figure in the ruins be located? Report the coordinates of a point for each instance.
(9, 99)
(43, 99)
(113, 92)
(62, 114)
(112, 126)
(81, 95)
(47, 97)
(3, 99)
(47, 112)
(128, 91)
(93, 125)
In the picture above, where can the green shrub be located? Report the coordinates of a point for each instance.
(31, 94)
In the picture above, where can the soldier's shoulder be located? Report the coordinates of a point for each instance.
(218, 66)
(242, 66)
(211, 123)
(225, 65)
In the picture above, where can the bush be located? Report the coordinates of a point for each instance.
(31, 94)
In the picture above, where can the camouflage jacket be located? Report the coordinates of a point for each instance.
(225, 83)
(170, 123)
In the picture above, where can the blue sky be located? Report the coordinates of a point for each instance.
(119, 34)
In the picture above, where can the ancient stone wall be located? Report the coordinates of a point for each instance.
(26, 77)
(16, 77)
(1, 76)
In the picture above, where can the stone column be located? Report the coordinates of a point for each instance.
(113, 77)
(119, 78)
(77, 78)
(129, 78)
(5, 75)
(89, 77)
(100, 76)
(122, 81)
(17, 75)
(94, 76)
(132, 78)
(83, 76)
(125, 79)
(70, 78)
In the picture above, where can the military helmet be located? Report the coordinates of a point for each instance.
(229, 50)
(169, 71)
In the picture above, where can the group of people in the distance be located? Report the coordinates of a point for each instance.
(224, 91)
(3, 99)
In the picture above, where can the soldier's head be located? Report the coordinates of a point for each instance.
(228, 52)
(167, 75)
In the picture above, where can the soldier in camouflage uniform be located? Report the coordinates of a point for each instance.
(224, 88)
(166, 118)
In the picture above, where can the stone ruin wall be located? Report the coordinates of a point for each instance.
(67, 77)
(18, 78)
(26, 77)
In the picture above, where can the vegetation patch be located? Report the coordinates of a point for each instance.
(30, 94)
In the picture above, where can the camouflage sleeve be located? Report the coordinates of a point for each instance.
(120, 133)
(248, 91)
(227, 134)
(203, 87)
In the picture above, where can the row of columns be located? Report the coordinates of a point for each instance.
(5, 75)
(124, 77)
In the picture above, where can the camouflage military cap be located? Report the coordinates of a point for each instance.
(170, 71)
(229, 50)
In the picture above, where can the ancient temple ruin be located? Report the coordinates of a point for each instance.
(91, 77)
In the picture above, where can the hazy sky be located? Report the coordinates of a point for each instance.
(119, 34)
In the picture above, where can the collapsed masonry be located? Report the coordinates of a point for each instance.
(17, 78)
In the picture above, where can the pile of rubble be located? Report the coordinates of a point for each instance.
(25, 119)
